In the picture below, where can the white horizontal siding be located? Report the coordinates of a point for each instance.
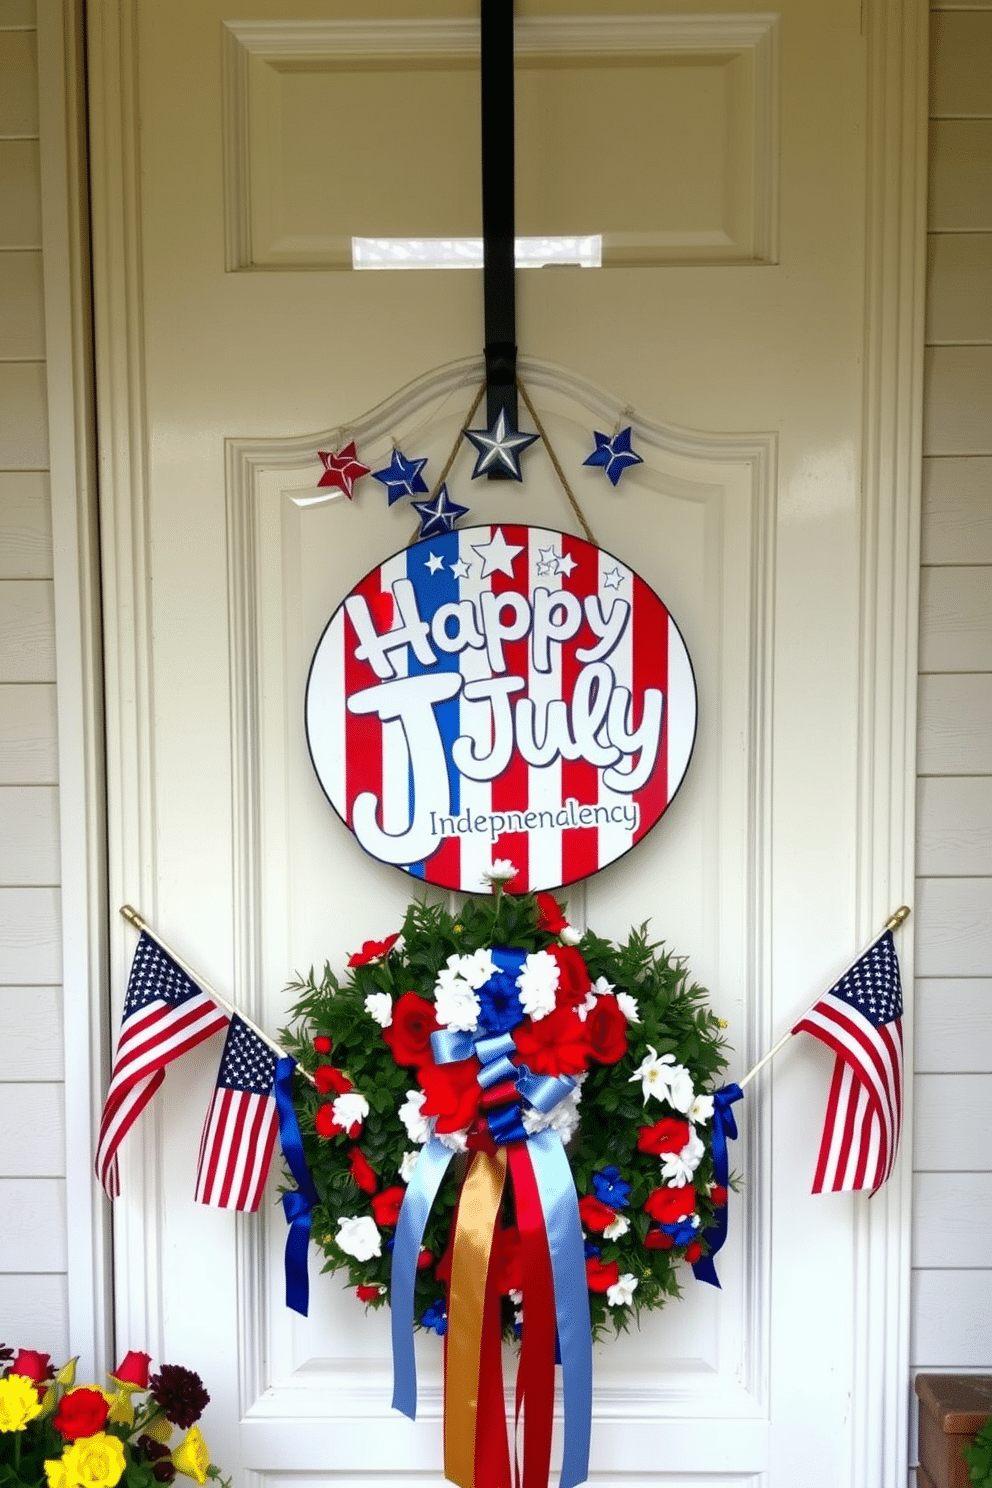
(960, 70)
(957, 511)
(953, 1123)
(954, 825)
(35, 1310)
(953, 927)
(20, 192)
(28, 733)
(17, 13)
(27, 625)
(955, 724)
(960, 175)
(22, 305)
(957, 406)
(32, 1134)
(952, 1311)
(19, 70)
(32, 1224)
(29, 834)
(956, 619)
(953, 1025)
(30, 938)
(952, 1218)
(31, 1047)
(25, 524)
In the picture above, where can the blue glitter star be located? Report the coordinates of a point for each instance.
(613, 454)
(440, 515)
(500, 447)
(402, 477)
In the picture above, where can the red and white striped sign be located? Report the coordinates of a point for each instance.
(501, 692)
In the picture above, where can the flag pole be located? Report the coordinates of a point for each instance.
(134, 918)
(895, 919)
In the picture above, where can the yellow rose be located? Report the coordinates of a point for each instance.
(192, 1455)
(95, 1461)
(19, 1402)
(55, 1473)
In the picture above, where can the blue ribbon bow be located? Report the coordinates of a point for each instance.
(724, 1127)
(298, 1204)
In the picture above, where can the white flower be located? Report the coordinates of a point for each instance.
(500, 873)
(477, 968)
(418, 1128)
(407, 1166)
(621, 1293)
(680, 1090)
(537, 984)
(455, 1004)
(456, 1141)
(678, 1167)
(585, 1008)
(602, 987)
(568, 935)
(350, 1110)
(655, 1074)
(628, 1006)
(515, 1296)
(619, 1227)
(563, 1118)
(701, 1108)
(358, 1236)
(379, 1005)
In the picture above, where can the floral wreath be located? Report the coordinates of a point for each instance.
(619, 1032)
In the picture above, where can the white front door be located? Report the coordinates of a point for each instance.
(723, 158)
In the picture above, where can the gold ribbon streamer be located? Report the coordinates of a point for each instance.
(478, 1209)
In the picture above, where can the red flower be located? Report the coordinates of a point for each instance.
(409, 1034)
(555, 1045)
(601, 1275)
(81, 1412)
(424, 1259)
(670, 1134)
(324, 1124)
(33, 1366)
(669, 1205)
(658, 1240)
(606, 1030)
(322, 1044)
(718, 1195)
(373, 950)
(551, 916)
(133, 1370)
(367, 1293)
(594, 1214)
(364, 1176)
(573, 978)
(327, 1078)
(386, 1205)
(452, 1093)
(693, 1251)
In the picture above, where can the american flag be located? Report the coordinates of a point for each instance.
(165, 1014)
(240, 1130)
(859, 1018)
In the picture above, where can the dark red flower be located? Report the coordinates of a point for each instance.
(595, 1215)
(373, 950)
(322, 1044)
(365, 1177)
(164, 1471)
(601, 1275)
(573, 978)
(606, 1030)
(718, 1195)
(152, 1449)
(81, 1412)
(452, 1092)
(386, 1205)
(327, 1078)
(658, 1240)
(133, 1370)
(551, 915)
(670, 1134)
(555, 1045)
(409, 1034)
(180, 1393)
(668, 1205)
(693, 1251)
(32, 1365)
(367, 1293)
(324, 1124)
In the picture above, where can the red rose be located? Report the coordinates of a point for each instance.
(511, 1276)
(594, 1214)
(386, 1205)
(424, 1259)
(693, 1251)
(718, 1195)
(658, 1240)
(551, 916)
(133, 1370)
(669, 1205)
(367, 1293)
(327, 1078)
(573, 978)
(373, 950)
(601, 1275)
(363, 1176)
(606, 1030)
(452, 1092)
(409, 1034)
(324, 1124)
(81, 1412)
(555, 1045)
(322, 1044)
(32, 1365)
(670, 1134)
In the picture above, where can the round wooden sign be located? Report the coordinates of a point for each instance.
(501, 692)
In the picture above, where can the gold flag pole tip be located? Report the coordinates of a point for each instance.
(898, 917)
(132, 916)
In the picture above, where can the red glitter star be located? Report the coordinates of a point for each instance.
(342, 470)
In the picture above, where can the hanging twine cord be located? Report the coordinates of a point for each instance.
(451, 458)
(576, 508)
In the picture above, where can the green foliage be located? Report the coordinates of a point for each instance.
(978, 1456)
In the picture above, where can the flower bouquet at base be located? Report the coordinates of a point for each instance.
(57, 1434)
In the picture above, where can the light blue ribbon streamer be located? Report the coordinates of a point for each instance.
(724, 1127)
(299, 1203)
(431, 1166)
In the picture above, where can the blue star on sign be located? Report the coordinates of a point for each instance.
(500, 447)
(401, 477)
(613, 454)
(440, 515)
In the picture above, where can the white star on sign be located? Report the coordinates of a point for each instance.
(549, 561)
(434, 563)
(612, 579)
(461, 569)
(566, 563)
(497, 555)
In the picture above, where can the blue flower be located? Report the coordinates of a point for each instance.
(681, 1232)
(592, 1250)
(610, 1188)
(499, 1003)
(435, 1317)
